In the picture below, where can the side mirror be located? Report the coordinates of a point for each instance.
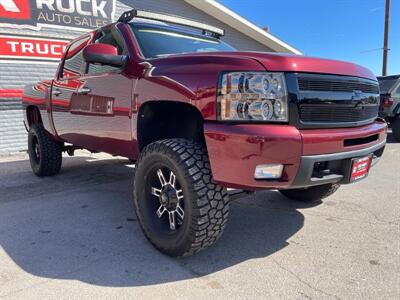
(103, 54)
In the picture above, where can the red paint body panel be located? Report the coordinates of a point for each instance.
(299, 63)
(191, 79)
(208, 66)
(326, 141)
(283, 62)
(236, 150)
(100, 49)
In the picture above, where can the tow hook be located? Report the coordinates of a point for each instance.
(70, 150)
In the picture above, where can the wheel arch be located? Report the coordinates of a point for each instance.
(33, 115)
(165, 119)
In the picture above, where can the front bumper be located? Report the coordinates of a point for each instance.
(340, 170)
(236, 149)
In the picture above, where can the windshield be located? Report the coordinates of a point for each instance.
(158, 41)
(385, 84)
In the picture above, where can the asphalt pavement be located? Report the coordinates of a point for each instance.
(75, 236)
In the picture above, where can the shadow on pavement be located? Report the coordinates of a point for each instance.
(80, 225)
(391, 139)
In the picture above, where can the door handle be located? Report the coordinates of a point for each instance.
(56, 92)
(84, 91)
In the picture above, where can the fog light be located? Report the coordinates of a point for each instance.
(268, 171)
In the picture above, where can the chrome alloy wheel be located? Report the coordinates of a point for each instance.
(170, 197)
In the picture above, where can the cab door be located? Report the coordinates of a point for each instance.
(106, 96)
(63, 91)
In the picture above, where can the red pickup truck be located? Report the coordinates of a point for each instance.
(200, 118)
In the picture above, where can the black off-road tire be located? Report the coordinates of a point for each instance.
(311, 194)
(396, 128)
(45, 154)
(205, 203)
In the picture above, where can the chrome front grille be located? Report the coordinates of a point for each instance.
(323, 85)
(330, 100)
(337, 113)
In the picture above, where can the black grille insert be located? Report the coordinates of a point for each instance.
(361, 141)
(337, 112)
(325, 85)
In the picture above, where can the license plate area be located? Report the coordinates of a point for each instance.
(360, 168)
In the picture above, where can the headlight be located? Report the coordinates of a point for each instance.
(253, 96)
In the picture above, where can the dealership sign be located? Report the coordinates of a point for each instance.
(73, 14)
(31, 48)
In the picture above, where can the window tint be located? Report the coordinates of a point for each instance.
(157, 42)
(74, 59)
(385, 84)
(110, 37)
(397, 92)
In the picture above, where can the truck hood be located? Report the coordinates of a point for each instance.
(283, 62)
(299, 63)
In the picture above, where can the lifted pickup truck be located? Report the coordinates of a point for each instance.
(200, 118)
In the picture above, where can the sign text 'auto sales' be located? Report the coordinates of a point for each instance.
(79, 14)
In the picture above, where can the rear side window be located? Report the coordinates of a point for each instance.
(111, 37)
(397, 92)
(386, 84)
(73, 59)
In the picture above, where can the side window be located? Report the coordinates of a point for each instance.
(111, 37)
(73, 59)
(397, 92)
